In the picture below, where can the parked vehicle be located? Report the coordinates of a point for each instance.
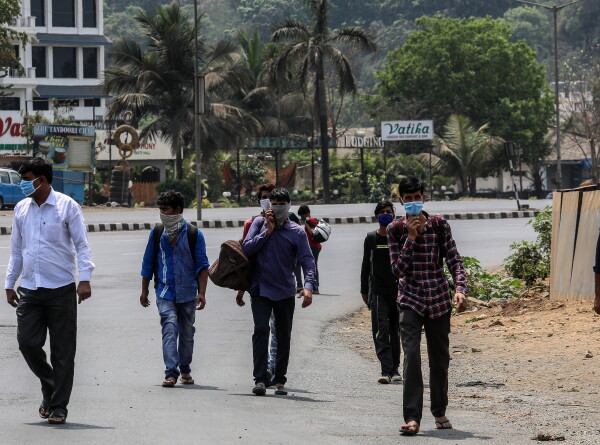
(10, 191)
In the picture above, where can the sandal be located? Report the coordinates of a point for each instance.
(406, 429)
(169, 382)
(57, 417)
(439, 424)
(44, 410)
(280, 390)
(187, 379)
(259, 389)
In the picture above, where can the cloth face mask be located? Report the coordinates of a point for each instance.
(280, 212)
(172, 223)
(385, 219)
(27, 187)
(413, 208)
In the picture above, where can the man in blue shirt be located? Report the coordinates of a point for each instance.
(275, 244)
(180, 283)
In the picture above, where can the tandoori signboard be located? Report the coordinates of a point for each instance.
(407, 130)
(70, 147)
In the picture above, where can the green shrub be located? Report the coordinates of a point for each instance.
(485, 285)
(186, 188)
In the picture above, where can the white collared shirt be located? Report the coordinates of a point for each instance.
(44, 241)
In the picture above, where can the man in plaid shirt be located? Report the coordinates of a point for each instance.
(418, 244)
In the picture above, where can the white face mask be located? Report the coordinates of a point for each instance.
(281, 212)
(172, 223)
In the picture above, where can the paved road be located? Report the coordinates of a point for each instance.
(119, 215)
(333, 398)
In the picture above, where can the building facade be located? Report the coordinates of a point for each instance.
(62, 65)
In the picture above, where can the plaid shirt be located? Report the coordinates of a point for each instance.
(418, 264)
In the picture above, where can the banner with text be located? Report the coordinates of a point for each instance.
(407, 130)
(65, 146)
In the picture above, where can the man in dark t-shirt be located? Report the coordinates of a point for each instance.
(379, 289)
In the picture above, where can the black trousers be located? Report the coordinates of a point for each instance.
(437, 331)
(386, 331)
(54, 311)
(262, 307)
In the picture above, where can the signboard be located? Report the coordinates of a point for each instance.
(407, 130)
(150, 150)
(11, 126)
(357, 142)
(70, 147)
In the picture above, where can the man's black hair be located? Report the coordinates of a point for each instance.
(172, 199)
(39, 167)
(264, 188)
(303, 210)
(280, 194)
(382, 205)
(410, 185)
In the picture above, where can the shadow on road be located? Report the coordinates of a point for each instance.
(71, 426)
(289, 397)
(453, 434)
(197, 387)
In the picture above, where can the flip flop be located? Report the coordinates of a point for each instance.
(44, 410)
(169, 382)
(187, 380)
(439, 425)
(58, 417)
(408, 432)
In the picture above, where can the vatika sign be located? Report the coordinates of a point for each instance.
(407, 130)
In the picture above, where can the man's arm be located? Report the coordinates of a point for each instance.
(457, 268)
(78, 234)
(256, 237)
(365, 271)
(15, 264)
(147, 270)
(202, 281)
(400, 255)
(307, 261)
(202, 266)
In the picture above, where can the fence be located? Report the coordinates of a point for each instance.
(575, 225)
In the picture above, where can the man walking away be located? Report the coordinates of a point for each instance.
(315, 247)
(379, 289)
(47, 231)
(176, 256)
(418, 244)
(276, 244)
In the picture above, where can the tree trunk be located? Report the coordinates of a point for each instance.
(472, 186)
(178, 170)
(321, 108)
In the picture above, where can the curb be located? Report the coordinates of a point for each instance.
(232, 223)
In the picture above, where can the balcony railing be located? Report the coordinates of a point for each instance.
(14, 73)
(24, 22)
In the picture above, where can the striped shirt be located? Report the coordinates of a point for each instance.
(422, 285)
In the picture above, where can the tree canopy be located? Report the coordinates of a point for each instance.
(468, 67)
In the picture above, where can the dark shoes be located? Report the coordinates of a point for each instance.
(396, 377)
(58, 416)
(280, 390)
(259, 389)
(385, 379)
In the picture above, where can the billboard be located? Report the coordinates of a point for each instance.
(407, 130)
(70, 147)
(11, 132)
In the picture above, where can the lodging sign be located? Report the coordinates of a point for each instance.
(407, 130)
(70, 147)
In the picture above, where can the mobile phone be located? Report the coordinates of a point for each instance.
(265, 204)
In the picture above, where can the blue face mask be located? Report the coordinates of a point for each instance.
(27, 187)
(413, 208)
(385, 219)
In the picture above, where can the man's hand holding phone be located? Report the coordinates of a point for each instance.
(270, 221)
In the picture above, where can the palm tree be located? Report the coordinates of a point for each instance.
(465, 150)
(156, 82)
(310, 48)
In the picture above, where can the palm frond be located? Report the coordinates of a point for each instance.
(290, 31)
(355, 37)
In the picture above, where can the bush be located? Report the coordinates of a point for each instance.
(530, 261)
(485, 285)
(184, 187)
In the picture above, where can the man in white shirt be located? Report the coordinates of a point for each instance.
(48, 230)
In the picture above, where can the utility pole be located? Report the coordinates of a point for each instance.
(555, 10)
(198, 110)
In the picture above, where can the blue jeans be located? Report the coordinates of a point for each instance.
(177, 320)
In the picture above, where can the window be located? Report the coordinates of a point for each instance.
(16, 50)
(90, 63)
(89, 13)
(91, 102)
(63, 13)
(38, 11)
(4, 178)
(65, 62)
(41, 105)
(38, 60)
(16, 179)
(66, 103)
(10, 103)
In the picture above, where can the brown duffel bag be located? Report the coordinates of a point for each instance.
(232, 268)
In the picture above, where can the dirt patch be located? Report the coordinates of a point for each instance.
(533, 360)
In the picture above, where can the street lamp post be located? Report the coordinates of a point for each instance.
(555, 10)
(198, 110)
